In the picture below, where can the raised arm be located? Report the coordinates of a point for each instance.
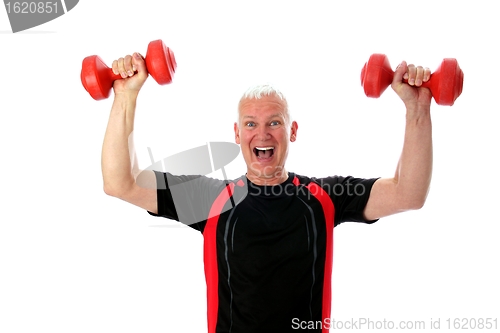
(119, 162)
(408, 189)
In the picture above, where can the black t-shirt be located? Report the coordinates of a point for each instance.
(267, 249)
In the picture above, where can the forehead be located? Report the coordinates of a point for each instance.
(265, 106)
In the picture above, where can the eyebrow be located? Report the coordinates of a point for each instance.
(279, 115)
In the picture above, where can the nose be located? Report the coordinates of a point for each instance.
(263, 133)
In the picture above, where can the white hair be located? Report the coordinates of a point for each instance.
(263, 90)
(259, 91)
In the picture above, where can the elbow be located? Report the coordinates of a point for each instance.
(413, 198)
(410, 200)
(415, 203)
(114, 190)
(110, 190)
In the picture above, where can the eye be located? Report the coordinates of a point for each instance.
(275, 123)
(250, 124)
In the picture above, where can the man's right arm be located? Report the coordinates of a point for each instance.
(118, 161)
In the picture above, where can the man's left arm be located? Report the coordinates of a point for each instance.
(408, 189)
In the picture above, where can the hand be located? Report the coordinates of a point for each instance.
(132, 69)
(412, 93)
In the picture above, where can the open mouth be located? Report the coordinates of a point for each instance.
(263, 152)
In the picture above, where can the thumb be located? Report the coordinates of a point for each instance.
(399, 73)
(139, 65)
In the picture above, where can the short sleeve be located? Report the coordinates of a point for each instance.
(350, 196)
(186, 199)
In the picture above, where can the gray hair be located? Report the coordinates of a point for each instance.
(262, 90)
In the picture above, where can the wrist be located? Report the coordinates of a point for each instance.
(418, 111)
(418, 115)
(125, 100)
(126, 95)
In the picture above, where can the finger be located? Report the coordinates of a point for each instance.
(405, 75)
(419, 76)
(411, 74)
(114, 67)
(121, 67)
(138, 62)
(127, 65)
(427, 74)
(399, 73)
(140, 65)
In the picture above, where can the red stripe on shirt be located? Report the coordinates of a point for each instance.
(329, 211)
(210, 256)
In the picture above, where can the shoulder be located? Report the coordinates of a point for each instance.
(306, 180)
(338, 185)
(168, 180)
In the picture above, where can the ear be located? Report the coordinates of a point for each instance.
(236, 133)
(293, 131)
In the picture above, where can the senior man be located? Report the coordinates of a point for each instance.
(268, 235)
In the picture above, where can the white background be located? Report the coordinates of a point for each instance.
(75, 260)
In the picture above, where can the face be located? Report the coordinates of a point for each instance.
(264, 133)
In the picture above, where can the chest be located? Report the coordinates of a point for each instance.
(270, 231)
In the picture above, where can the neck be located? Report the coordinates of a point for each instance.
(276, 179)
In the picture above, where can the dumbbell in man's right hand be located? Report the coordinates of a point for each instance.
(132, 69)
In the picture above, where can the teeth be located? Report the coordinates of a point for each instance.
(257, 149)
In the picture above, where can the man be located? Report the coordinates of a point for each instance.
(268, 236)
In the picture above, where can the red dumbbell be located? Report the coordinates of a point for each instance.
(97, 78)
(445, 83)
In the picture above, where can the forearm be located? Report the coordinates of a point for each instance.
(117, 151)
(414, 171)
(410, 185)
